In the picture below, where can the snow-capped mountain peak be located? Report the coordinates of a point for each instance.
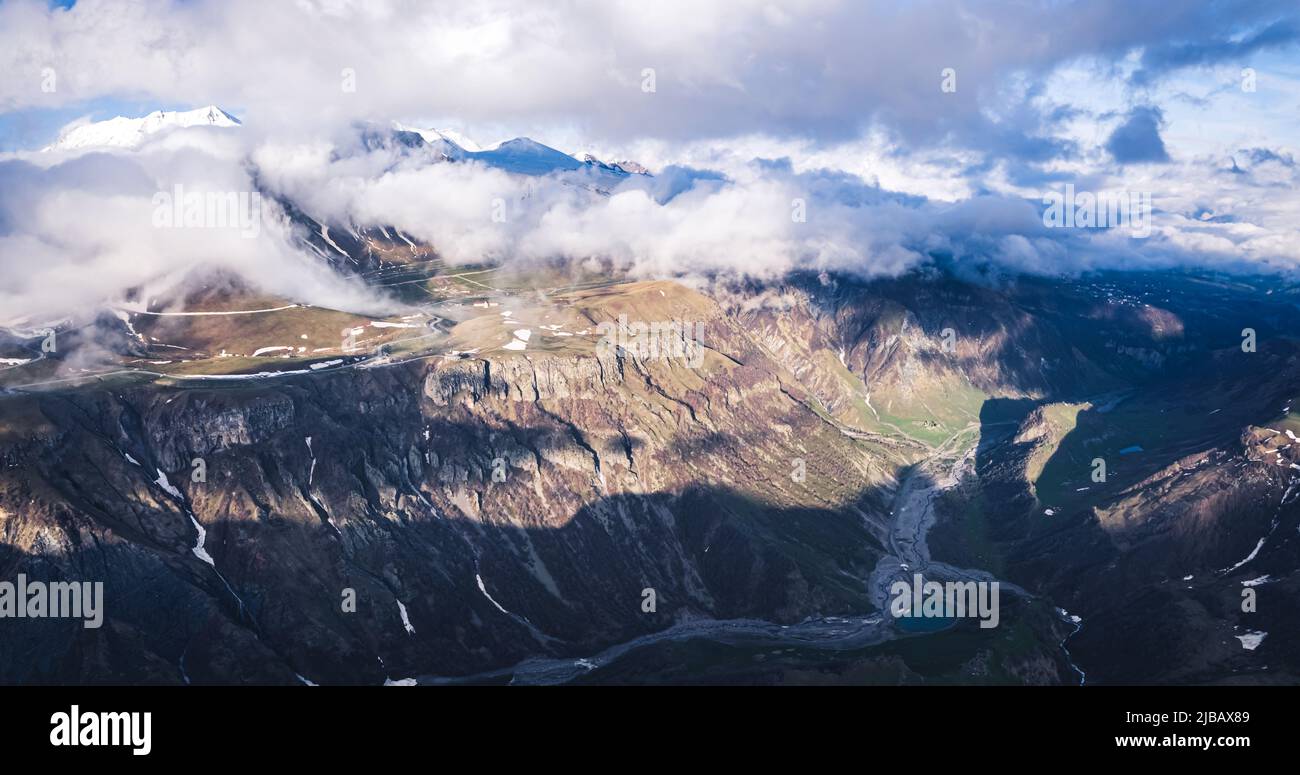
(123, 132)
(527, 156)
(459, 139)
(521, 155)
(434, 136)
(625, 165)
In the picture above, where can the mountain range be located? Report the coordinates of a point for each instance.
(521, 155)
(476, 488)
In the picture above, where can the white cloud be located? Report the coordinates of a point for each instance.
(845, 93)
(79, 230)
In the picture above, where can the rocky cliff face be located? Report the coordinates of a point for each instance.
(482, 510)
(457, 513)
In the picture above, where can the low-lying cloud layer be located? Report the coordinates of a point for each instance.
(80, 230)
(77, 229)
(764, 217)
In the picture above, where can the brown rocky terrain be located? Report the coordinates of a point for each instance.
(488, 505)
